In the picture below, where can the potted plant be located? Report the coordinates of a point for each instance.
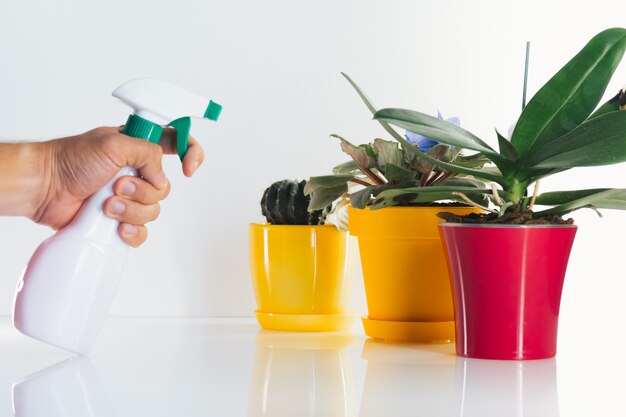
(404, 268)
(299, 264)
(508, 266)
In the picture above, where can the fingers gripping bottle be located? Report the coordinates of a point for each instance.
(70, 281)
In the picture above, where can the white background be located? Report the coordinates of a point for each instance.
(274, 65)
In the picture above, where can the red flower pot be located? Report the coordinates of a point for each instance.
(506, 286)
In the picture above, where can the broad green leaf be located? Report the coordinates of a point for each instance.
(388, 153)
(349, 167)
(396, 173)
(425, 166)
(506, 148)
(360, 198)
(325, 189)
(609, 106)
(451, 167)
(326, 181)
(555, 198)
(570, 96)
(369, 150)
(358, 154)
(432, 127)
(454, 152)
(480, 198)
(462, 182)
(566, 201)
(447, 166)
(425, 195)
(478, 160)
(444, 132)
(322, 197)
(532, 175)
(599, 141)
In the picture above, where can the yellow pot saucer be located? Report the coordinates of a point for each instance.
(306, 322)
(304, 340)
(410, 331)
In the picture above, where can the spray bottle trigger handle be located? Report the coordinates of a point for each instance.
(182, 127)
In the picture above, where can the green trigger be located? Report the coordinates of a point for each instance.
(182, 127)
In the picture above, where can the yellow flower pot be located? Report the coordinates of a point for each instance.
(404, 268)
(300, 276)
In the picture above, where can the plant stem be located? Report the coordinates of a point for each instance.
(361, 182)
(517, 191)
(372, 176)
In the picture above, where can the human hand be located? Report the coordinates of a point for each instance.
(78, 166)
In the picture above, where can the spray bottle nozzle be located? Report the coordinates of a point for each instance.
(157, 104)
(213, 111)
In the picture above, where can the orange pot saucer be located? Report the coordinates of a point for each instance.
(410, 331)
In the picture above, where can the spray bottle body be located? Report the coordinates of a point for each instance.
(70, 281)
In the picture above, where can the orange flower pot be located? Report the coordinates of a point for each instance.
(407, 285)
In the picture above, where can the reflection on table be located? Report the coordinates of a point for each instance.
(511, 388)
(408, 380)
(413, 379)
(301, 374)
(289, 374)
(67, 389)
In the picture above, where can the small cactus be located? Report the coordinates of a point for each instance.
(284, 202)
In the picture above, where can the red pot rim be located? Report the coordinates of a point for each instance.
(509, 226)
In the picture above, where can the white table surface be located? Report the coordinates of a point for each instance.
(229, 367)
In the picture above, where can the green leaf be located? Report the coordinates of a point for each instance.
(599, 141)
(478, 160)
(358, 154)
(609, 106)
(506, 148)
(447, 166)
(349, 167)
(570, 96)
(325, 196)
(462, 182)
(425, 166)
(412, 195)
(478, 173)
(396, 173)
(388, 153)
(444, 132)
(369, 150)
(361, 198)
(370, 106)
(567, 201)
(326, 189)
(326, 181)
(555, 198)
(432, 127)
(480, 198)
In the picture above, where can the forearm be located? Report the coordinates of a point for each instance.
(22, 178)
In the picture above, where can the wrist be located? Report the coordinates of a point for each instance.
(24, 178)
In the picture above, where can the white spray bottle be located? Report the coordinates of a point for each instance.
(70, 281)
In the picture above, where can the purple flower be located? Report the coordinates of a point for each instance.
(424, 143)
